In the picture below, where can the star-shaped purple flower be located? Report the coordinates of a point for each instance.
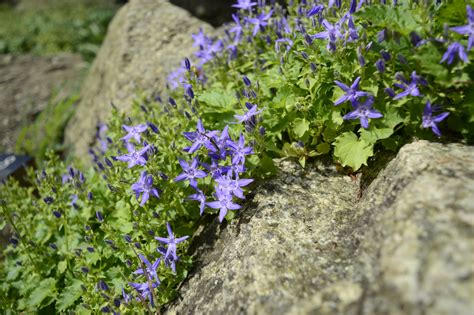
(150, 269)
(209, 51)
(409, 88)
(244, 4)
(226, 183)
(134, 132)
(352, 92)
(332, 33)
(200, 40)
(219, 149)
(428, 121)
(363, 112)
(199, 196)
(239, 150)
(223, 203)
(145, 187)
(237, 28)
(144, 290)
(171, 241)
(199, 138)
(190, 172)
(455, 49)
(260, 22)
(467, 29)
(249, 114)
(134, 157)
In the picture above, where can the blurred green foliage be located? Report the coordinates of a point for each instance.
(46, 132)
(66, 26)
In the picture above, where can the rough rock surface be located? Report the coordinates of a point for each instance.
(146, 40)
(27, 84)
(311, 242)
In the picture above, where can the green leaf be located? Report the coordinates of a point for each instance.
(323, 148)
(300, 126)
(45, 289)
(69, 295)
(62, 266)
(352, 151)
(400, 18)
(219, 100)
(373, 134)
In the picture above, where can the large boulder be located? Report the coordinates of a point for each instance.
(28, 83)
(313, 242)
(145, 41)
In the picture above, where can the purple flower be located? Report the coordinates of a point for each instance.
(134, 157)
(74, 200)
(363, 112)
(239, 150)
(48, 200)
(145, 187)
(289, 43)
(247, 81)
(315, 10)
(209, 51)
(171, 241)
(126, 297)
(249, 114)
(176, 78)
(428, 121)
(99, 216)
(226, 183)
(260, 22)
(352, 92)
(219, 149)
(332, 33)
(215, 170)
(380, 65)
(134, 132)
(190, 172)
(199, 196)
(453, 50)
(244, 4)
(237, 28)
(223, 203)
(467, 29)
(200, 40)
(144, 289)
(150, 270)
(409, 88)
(199, 138)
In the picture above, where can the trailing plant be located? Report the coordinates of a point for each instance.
(345, 79)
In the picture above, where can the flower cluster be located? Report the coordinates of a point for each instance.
(227, 163)
(169, 258)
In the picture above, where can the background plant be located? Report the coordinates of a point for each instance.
(61, 26)
(339, 78)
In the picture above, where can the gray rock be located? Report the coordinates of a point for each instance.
(28, 83)
(312, 242)
(146, 40)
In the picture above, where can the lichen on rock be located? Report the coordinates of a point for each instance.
(308, 243)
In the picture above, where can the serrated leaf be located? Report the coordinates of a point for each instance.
(399, 18)
(352, 151)
(45, 289)
(372, 135)
(69, 295)
(219, 100)
(300, 126)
